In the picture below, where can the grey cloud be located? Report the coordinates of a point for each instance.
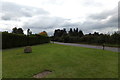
(113, 19)
(42, 22)
(94, 21)
(5, 18)
(13, 11)
(98, 25)
(104, 14)
(49, 24)
(68, 24)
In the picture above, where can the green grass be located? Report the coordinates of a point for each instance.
(64, 61)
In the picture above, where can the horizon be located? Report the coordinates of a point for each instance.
(67, 31)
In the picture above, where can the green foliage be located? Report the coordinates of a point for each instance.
(71, 36)
(10, 40)
(44, 33)
(77, 36)
(17, 31)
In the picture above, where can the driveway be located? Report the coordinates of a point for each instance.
(91, 46)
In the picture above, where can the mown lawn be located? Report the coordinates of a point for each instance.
(64, 61)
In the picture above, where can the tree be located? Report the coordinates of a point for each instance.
(76, 32)
(28, 32)
(59, 33)
(14, 30)
(115, 37)
(96, 34)
(70, 32)
(64, 32)
(73, 32)
(80, 33)
(17, 31)
(44, 33)
(20, 31)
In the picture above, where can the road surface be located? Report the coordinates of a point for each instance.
(91, 46)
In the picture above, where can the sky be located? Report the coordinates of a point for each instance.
(47, 15)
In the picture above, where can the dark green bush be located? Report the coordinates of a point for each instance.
(10, 40)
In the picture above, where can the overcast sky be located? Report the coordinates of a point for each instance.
(48, 15)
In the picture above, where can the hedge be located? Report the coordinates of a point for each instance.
(10, 40)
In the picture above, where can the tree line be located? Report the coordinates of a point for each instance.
(77, 36)
(17, 38)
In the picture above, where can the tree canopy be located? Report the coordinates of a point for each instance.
(17, 31)
(77, 36)
(44, 33)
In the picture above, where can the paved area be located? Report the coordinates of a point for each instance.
(91, 46)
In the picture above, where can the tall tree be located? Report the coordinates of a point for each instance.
(64, 31)
(96, 34)
(17, 31)
(20, 31)
(14, 30)
(80, 33)
(70, 32)
(28, 31)
(76, 30)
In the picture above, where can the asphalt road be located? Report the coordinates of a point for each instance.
(91, 46)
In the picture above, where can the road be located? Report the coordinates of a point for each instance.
(90, 46)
